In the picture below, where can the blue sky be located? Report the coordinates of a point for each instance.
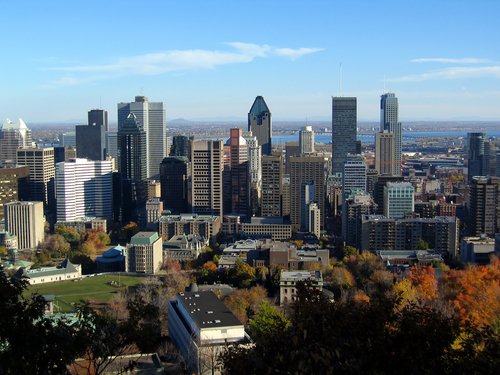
(209, 59)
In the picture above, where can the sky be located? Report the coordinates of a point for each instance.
(207, 59)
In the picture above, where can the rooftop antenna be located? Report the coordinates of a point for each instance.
(340, 80)
(100, 101)
(384, 85)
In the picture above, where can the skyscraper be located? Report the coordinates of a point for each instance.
(132, 167)
(385, 153)
(255, 172)
(236, 172)
(484, 206)
(151, 116)
(272, 178)
(306, 140)
(181, 146)
(389, 121)
(175, 174)
(476, 160)
(260, 123)
(13, 135)
(207, 164)
(98, 117)
(306, 169)
(353, 182)
(344, 131)
(84, 188)
(26, 221)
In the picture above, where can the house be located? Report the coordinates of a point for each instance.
(65, 271)
(200, 326)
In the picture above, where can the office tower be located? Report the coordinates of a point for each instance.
(484, 206)
(344, 131)
(353, 182)
(154, 189)
(306, 140)
(112, 143)
(399, 199)
(291, 149)
(389, 121)
(285, 196)
(260, 124)
(132, 167)
(313, 223)
(42, 175)
(306, 169)
(385, 154)
(207, 164)
(255, 172)
(175, 175)
(181, 146)
(151, 117)
(91, 139)
(144, 253)
(98, 117)
(13, 135)
(59, 154)
(68, 139)
(84, 188)
(490, 158)
(272, 177)
(476, 161)
(13, 185)
(306, 198)
(26, 221)
(237, 174)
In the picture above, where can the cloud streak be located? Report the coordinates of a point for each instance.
(452, 73)
(446, 60)
(178, 60)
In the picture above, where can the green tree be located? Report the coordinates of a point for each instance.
(70, 234)
(349, 251)
(422, 245)
(268, 323)
(3, 251)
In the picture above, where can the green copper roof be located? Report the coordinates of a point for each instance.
(144, 238)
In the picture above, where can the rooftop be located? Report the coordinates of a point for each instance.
(144, 238)
(207, 310)
(188, 217)
(301, 275)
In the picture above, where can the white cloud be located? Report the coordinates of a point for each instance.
(446, 60)
(452, 73)
(177, 60)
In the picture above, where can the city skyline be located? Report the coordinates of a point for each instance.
(211, 67)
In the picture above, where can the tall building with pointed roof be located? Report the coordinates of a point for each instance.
(260, 124)
(13, 135)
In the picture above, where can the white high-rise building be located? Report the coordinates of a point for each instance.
(255, 171)
(13, 135)
(389, 121)
(399, 199)
(353, 181)
(26, 221)
(306, 140)
(151, 116)
(84, 188)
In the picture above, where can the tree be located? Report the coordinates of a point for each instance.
(244, 303)
(55, 246)
(242, 275)
(422, 245)
(30, 343)
(424, 281)
(340, 279)
(70, 234)
(88, 248)
(349, 251)
(3, 251)
(268, 323)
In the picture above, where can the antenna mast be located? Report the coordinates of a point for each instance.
(340, 80)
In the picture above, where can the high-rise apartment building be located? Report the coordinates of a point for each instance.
(175, 175)
(306, 140)
(389, 121)
(13, 185)
(484, 206)
(344, 131)
(207, 164)
(98, 117)
(13, 135)
(272, 178)
(236, 189)
(306, 169)
(385, 153)
(132, 167)
(399, 199)
(260, 124)
(84, 188)
(26, 221)
(151, 116)
(42, 175)
(255, 172)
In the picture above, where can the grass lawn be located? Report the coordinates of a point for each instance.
(97, 289)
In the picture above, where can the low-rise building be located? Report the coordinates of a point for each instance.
(84, 223)
(206, 226)
(289, 280)
(65, 271)
(409, 258)
(477, 249)
(201, 326)
(183, 247)
(274, 227)
(112, 260)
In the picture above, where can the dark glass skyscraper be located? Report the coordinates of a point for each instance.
(132, 167)
(476, 161)
(98, 117)
(175, 172)
(344, 124)
(181, 146)
(260, 124)
(389, 121)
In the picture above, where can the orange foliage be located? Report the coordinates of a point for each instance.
(475, 293)
(424, 281)
(360, 297)
(210, 266)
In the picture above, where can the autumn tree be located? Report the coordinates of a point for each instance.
(424, 281)
(245, 302)
(70, 234)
